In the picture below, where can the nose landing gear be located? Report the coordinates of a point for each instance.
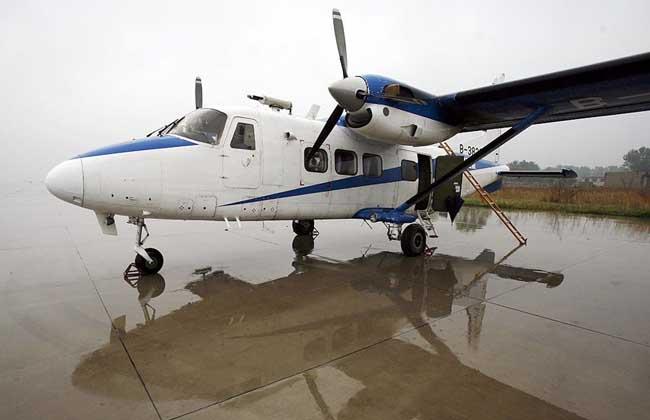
(152, 266)
(149, 260)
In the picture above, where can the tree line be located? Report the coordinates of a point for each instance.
(634, 160)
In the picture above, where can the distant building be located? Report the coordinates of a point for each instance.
(538, 182)
(596, 181)
(630, 179)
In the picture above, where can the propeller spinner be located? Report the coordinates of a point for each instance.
(350, 92)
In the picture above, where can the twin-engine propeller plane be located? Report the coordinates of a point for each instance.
(241, 164)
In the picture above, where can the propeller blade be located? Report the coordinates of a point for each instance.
(327, 129)
(198, 93)
(339, 33)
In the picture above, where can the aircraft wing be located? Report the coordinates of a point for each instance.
(613, 87)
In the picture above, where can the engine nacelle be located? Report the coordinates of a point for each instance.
(395, 126)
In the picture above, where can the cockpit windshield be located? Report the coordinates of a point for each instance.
(204, 125)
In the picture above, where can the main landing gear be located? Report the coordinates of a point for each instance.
(413, 238)
(149, 260)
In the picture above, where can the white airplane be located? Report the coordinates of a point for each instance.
(243, 164)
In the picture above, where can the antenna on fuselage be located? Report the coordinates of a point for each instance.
(273, 103)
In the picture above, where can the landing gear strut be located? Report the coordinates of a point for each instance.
(149, 260)
(413, 238)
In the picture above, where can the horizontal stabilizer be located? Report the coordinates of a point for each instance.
(564, 173)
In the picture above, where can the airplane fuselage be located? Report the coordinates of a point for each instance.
(175, 177)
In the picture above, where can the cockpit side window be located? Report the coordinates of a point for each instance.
(398, 90)
(204, 125)
(244, 137)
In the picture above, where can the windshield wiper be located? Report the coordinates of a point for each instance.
(157, 130)
(170, 126)
(165, 128)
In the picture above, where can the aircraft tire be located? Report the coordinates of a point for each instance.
(414, 240)
(303, 227)
(147, 268)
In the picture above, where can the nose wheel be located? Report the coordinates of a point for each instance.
(147, 260)
(149, 267)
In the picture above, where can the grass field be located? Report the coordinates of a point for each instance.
(604, 201)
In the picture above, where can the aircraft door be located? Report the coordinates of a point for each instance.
(242, 154)
(407, 160)
(424, 180)
(447, 197)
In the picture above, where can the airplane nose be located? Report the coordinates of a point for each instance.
(66, 182)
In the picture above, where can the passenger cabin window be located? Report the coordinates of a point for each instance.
(345, 162)
(372, 165)
(244, 137)
(318, 162)
(409, 170)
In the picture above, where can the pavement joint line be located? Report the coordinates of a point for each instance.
(330, 361)
(240, 234)
(584, 260)
(569, 324)
(521, 286)
(128, 355)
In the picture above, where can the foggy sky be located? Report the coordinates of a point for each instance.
(79, 74)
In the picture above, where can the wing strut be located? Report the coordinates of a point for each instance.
(489, 148)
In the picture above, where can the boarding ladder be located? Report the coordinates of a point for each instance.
(487, 198)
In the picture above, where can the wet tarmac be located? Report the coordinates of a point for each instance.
(343, 327)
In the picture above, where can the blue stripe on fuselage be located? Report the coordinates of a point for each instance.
(389, 175)
(148, 143)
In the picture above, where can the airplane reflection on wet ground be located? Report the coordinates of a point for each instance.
(240, 337)
(345, 328)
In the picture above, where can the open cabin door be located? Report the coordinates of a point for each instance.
(424, 180)
(447, 197)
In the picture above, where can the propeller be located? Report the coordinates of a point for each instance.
(339, 34)
(350, 92)
(327, 129)
(198, 93)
